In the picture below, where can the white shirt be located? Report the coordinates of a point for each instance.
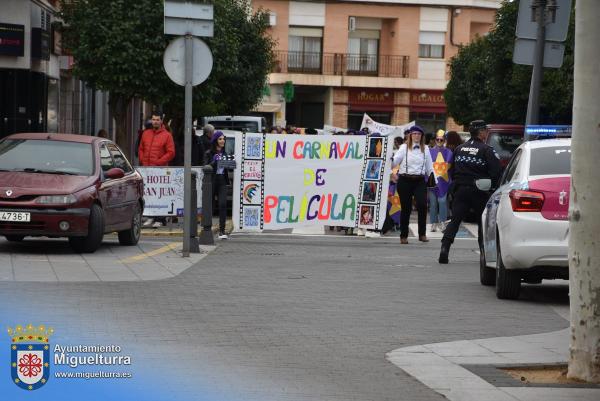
(413, 161)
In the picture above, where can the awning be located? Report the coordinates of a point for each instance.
(268, 108)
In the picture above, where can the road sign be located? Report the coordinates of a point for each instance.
(555, 31)
(174, 61)
(186, 18)
(525, 49)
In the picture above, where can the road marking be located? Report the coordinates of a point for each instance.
(155, 252)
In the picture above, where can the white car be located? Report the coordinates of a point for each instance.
(525, 222)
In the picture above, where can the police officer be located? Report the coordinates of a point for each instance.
(473, 160)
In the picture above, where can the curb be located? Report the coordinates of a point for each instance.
(157, 232)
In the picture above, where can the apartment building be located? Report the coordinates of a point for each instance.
(336, 60)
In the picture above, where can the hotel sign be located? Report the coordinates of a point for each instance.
(12, 40)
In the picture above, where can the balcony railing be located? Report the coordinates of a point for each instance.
(341, 64)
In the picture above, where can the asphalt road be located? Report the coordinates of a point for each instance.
(294, 318)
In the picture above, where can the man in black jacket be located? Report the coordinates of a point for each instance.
(473, 160)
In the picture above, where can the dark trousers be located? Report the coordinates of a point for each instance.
(464, 198)
(407, 188)
(220, 191)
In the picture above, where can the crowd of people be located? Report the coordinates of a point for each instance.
(422, 171)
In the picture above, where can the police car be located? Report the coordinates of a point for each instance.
(525, 222)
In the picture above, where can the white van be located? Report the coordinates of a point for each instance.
(237, 123)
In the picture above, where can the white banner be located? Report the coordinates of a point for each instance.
(163, 190)
(384, 129)
(287, 181)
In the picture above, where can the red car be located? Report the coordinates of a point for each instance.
(75, 186)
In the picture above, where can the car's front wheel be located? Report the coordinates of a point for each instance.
(132, 236)
(508, 282)
(93, 240)
(14, 238)
(487, 275)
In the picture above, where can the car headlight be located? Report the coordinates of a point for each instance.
(56, 199)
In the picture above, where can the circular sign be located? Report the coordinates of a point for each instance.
(174, 61)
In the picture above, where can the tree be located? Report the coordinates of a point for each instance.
(118, 47)
(486, 84)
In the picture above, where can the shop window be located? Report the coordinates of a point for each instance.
(431, 122)
(355, 118)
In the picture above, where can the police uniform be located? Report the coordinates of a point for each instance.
(472, 160)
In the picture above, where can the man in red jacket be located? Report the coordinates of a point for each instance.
(156, 149)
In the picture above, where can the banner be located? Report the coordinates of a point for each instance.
(330, 129)
(163, 190)
(286, 181)
(384, 129)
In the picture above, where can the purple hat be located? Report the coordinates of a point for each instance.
(216, 136)
(416, 128)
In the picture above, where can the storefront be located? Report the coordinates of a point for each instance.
(428, 109)
(377, 103)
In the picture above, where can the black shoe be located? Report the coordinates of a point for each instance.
(443, 259)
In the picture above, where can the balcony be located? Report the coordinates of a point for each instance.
(340, 64)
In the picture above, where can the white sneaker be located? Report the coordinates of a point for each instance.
(361, 232)
(223, 236)
(434, 227)
(157, 224)
(148, 222)
(372, 234)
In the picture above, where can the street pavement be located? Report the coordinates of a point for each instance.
(303, 317)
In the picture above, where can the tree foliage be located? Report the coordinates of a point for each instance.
(118, 47)
(486, 84)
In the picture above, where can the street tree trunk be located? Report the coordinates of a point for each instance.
(118, 105)
(584, 243)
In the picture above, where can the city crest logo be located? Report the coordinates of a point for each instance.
(30, 355)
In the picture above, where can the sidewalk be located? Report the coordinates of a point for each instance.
(176, 229)
(467, 370)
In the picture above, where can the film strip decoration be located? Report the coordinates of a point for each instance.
(372, 181)
(252, 172)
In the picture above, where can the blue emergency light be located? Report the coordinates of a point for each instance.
(533, 132)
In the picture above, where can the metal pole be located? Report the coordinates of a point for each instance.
(188, 213)
(533, 106)
(584, 214)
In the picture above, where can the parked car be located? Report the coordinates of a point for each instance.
(505, 139)
(525, 226)
(74, 186)
(237, 123)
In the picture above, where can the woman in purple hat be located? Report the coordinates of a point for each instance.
(415, 163)
(220, 177)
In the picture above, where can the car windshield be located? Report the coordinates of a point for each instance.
(505, 144)
(248, 126)
(550, 161)
(46, 156)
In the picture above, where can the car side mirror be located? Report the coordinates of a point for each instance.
(114, 173)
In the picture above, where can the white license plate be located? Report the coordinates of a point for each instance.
(15, 216)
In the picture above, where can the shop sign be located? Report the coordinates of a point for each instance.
(12, 40)
(427, 98)
(371, 97)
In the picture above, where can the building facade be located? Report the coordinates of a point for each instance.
(336, 60)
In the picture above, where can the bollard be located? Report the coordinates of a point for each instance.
(206, 236)
(194, 245)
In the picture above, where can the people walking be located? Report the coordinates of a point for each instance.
(205, 140)
(438, 207)
(415, 163)
(156, 149)
(472, 161)
(220, 179)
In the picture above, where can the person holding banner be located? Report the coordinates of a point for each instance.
(220, 178)
(416, 165)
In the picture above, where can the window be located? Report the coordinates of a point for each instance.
(106, 160)
(120, 160)
(58, 156)
(304, 49)
(511, 168)
(363, 49)
(431, 122)
(504, 143)
(554, 160)
(431, 44)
